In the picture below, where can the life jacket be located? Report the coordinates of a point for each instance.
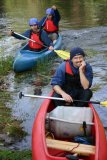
(50, 26)
(36, 38)
(71, 80)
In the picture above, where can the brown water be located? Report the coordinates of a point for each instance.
(83, 24)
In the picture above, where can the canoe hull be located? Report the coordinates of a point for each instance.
(39, 148)
(25, 59)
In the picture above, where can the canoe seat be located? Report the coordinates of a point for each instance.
(81, 149)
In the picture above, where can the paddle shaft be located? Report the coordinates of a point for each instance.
(44, 21)
(54, 98)
(30, 39)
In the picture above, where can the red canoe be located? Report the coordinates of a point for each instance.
(57, 149)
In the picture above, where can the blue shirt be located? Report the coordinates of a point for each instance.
(59, 76)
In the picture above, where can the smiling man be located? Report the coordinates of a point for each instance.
(72, 79)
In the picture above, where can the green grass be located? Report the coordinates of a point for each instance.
(6, 65)
(15, 155)
(8, 124)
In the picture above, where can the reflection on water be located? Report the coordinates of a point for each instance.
(75, 13)
(85, 20)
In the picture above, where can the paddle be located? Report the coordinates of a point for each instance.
(104, 103)
(30, 39)
(63, 54)
(44, 21)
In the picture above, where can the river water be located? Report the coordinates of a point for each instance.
(83, 24)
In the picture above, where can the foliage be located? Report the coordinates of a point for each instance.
(14, 130)
(5, 65)
(15, 155)
(8, 124)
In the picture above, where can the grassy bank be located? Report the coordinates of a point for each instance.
(15, 155)
(6, 65)
(10, 128)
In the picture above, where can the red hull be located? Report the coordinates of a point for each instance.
(39, 147)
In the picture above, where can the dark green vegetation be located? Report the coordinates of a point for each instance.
(9, 126)
(15, 155)
(5, 65)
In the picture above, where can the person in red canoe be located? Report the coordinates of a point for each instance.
(50, 23)
(73, 79)
(38, 35)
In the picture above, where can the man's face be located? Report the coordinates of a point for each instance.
(77, 60)
(49, 16)
(34, 27)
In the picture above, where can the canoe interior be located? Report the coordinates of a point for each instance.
(60, 153)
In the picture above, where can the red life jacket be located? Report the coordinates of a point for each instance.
(71, 80)
(33, 45)
(50, 27)
(68, 68)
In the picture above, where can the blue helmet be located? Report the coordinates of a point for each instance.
(50, 11)
(33, 21)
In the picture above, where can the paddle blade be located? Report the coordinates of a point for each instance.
(104, 103)
(63, 54)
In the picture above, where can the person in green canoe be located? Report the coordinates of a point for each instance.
(35, 33)
(73, 79)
